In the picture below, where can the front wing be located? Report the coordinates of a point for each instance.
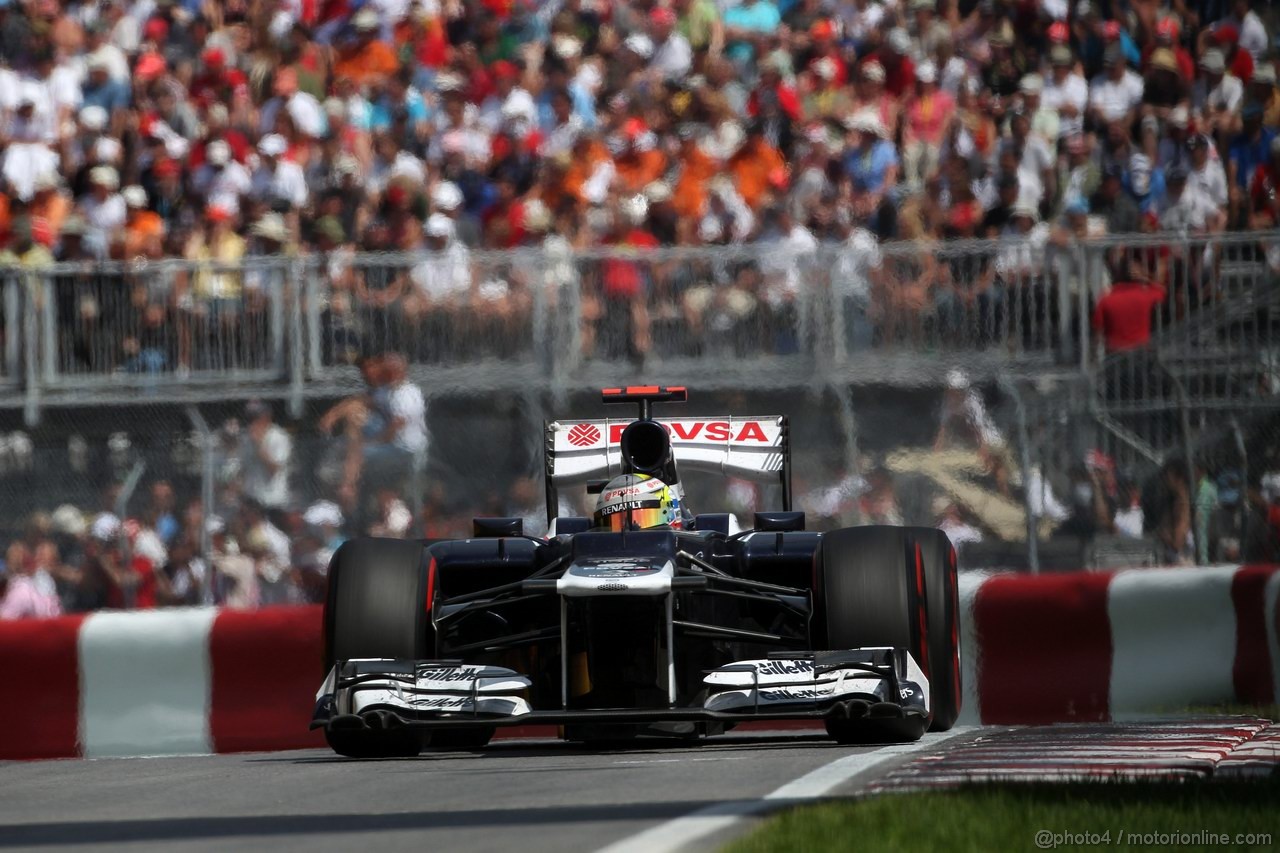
(871, 684)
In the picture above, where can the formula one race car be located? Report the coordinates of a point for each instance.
(643, 620)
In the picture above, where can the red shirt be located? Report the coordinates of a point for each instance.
(788, 102)
(899, 74)
(624, 279)
(144, 594)
(1123, 314)
(1241, 66)
(1263, 188)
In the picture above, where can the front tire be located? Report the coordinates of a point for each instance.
(869, 593)
(378, 606)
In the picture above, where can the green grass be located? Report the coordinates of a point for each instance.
(1006, 818)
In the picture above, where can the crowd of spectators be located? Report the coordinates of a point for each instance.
(223, 132)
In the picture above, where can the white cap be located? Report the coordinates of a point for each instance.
(635, 209)
(873, 71)
(105, 176)
(639, 44)
(366, 19)
(566, 47)
(271, 226)
(657, 192)
(1265, 73)
(323, 514)
(215, 525)
(148, 545)
(1032, 84)
(68, 520)
(105, 527)
(218, 153)
(134, 196)
(439, 225)
(927, 72)
(217, 114)
(899, 41)
(448, 82)
(866, 121)
(1179, 116)
(1026, 209)
(272, 145)
(957, 379)
(1271, 484)
(1213, 61)
(93, 118)
(107, 150)
(98, 61)
(446, 196)
(535, 216)
(346, 165)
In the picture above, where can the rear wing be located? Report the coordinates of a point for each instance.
(752, 448)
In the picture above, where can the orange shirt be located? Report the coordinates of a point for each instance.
(639, 169)
(690, 192)
(751, 167)
(582, 168)
(367, 62)
(142, 235)
(47, 217)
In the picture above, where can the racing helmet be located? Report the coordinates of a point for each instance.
(637, 502)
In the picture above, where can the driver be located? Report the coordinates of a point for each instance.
(637, 502)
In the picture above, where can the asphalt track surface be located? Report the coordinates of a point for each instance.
(525, 796)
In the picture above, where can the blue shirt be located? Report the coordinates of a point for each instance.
(583, 107)
(1248, 156)
(869, 166)
(760, 17)
(111, 95)
(1151, 202)
(382, 111)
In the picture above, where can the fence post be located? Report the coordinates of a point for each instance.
(31, 354)
(293, 284)
(1085, 262)
(206, 498)
(849, 421)
(1244, 487)
(312, 310)
(12, 327)
(273, 271)
(121, 510)
(536, 260)
(49, 332)
(1180, 394)
(1024, 452)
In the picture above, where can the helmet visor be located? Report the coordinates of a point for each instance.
(633, 519)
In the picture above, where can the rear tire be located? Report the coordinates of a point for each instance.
(869, 594)
(941, 588)
(378, 606)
